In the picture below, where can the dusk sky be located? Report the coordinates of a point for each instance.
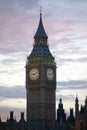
(65, 22)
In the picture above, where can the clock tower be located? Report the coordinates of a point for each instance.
(40, 79)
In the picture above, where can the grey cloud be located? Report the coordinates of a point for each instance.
(12, 59)
(66, 6)
(8, 61)
(13, 6)
(12, 92)
(71, 48)
(77, 51)
(72, 84)
(84, 59)
(65, 98)
(67, 9)
(63, 61)
(28, 3)
(6, 5)
(2, 98)
(7, 109)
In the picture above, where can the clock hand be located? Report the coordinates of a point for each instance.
(33, 73)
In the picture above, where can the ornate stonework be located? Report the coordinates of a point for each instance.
(40, 79)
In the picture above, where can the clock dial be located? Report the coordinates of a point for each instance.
(50, 74)
(34, 74)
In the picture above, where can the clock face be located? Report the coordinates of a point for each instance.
(34, 74)
(50, 74)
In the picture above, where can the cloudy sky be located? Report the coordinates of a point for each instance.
(65, 22)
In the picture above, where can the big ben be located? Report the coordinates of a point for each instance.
(40, 79)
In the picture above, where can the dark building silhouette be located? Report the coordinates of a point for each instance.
(61, 123)
(81, 116)
(41, 86)
(61, 115)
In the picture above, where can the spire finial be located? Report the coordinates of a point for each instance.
(40, 31)
(40, 10)
(60, 100)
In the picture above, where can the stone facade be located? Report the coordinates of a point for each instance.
(40, 79)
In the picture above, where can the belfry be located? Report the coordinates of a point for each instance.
(40, 79)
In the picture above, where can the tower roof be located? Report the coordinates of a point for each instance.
(41, 51)
(40, 31)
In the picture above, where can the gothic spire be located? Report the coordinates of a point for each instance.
(40, 33)
(76, 100)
